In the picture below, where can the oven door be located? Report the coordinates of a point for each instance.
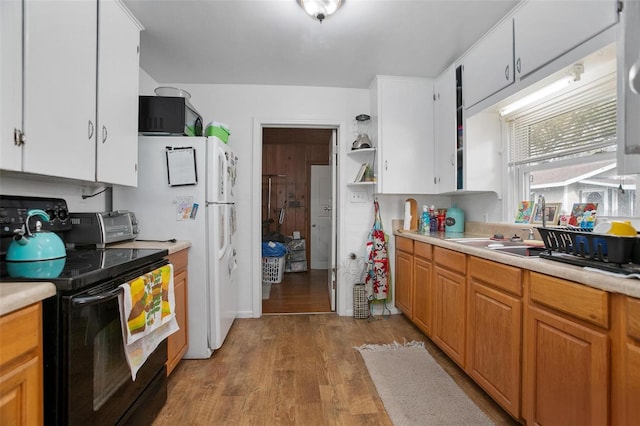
(95, 373)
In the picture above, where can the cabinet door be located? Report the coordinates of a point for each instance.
(422, 294)
(404, 280)
(60, 88)
(545, 30)
(21, 367)
(10, 83)
(488, 67)
(566, 377)
(118, 74)
(177, 342)
(449, 312)
(628, 100)
(494, 338)
(405, 135)
(445, 142)
(626, 363)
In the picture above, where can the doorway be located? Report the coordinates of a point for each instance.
(297, 211)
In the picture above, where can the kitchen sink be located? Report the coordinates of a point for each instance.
(518, 248)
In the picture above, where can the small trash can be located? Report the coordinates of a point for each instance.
(360, 302)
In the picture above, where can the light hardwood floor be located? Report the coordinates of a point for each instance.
(296, 370)
(299, 292)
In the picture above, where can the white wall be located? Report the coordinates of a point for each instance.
(238, 106)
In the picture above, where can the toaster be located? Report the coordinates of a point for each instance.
(102, 228)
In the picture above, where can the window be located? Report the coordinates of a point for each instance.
(565, 149)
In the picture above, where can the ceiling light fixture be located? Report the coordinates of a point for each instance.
(320, 9)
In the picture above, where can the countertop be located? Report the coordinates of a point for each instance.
(16, 295)
(172, 247)
(614, 284)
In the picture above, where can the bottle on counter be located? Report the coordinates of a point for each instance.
(433, 219)
(424, 221)
(442, 214)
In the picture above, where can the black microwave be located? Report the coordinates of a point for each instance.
(168, 115)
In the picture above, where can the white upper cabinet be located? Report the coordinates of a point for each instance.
(60, 88)
(70, 107)
(445, 131)
(629, 91)
(546, 30)
(10, 84)
(488, 67)
(118, 70)
(402, 109)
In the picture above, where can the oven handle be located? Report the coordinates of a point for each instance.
(103, 297)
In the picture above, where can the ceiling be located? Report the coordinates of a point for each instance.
(274, 42)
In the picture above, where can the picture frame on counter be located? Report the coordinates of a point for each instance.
(552, 213)
(525, 208)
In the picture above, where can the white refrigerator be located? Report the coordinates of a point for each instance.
(186, 192)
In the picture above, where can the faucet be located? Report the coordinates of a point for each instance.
(543, 209)
(530, 236)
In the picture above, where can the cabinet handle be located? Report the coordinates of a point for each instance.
(518, 65)
(90, 129)
(104, 134)
(18, 137)
(386, 165)
(453, 163)
(506, 72)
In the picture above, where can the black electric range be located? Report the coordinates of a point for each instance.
(81, 267)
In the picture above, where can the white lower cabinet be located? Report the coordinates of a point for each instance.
(79, 87)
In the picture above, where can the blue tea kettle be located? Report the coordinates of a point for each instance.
(40, 245)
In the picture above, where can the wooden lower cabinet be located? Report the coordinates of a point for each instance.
(422, 287)
(403, 298)
(625, 396)
(549, 351)
(449, 312)
(21, 388)
(566, 360)
(178, 342)
(494, 331)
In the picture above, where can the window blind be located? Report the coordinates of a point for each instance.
(578, 123)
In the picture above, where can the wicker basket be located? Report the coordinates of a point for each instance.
(272, 269)
(360, 302)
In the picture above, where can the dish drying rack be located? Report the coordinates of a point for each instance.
(586, 244)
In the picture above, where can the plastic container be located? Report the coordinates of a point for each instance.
(172, 91)
(218, 131)
(454, 222)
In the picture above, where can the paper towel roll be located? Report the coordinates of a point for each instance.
(407, 216)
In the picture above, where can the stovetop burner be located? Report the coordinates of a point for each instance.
(81, 267)
(626, 268)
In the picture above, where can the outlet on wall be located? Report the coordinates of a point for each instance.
(359, 197)
(485, 217)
